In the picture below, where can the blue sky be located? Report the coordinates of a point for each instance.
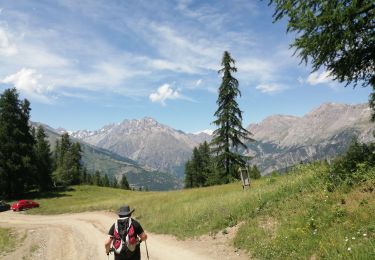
(84, 64)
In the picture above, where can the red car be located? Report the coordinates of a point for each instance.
(24, 204)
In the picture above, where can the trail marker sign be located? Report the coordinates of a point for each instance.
(245, 177)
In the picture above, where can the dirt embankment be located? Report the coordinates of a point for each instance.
(82, 235)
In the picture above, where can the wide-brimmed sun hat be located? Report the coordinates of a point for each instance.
(125, 210)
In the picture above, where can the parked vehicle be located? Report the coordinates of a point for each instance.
(4, 206)
(24, 204)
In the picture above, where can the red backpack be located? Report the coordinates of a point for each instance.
(124, 236)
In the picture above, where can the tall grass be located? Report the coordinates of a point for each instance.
(288, 217)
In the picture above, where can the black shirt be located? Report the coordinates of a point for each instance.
(136, 255)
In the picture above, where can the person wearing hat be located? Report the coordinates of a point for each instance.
(125, 212)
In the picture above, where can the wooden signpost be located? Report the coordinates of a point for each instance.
(245, 177)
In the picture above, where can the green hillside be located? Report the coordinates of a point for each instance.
(112, 164)
(285, 217)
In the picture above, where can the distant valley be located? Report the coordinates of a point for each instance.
(107, 162)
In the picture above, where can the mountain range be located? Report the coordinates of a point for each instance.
(107, 162)
(154, 145)
(281, 140)
(323, 133)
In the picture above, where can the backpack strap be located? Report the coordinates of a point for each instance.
(118, 242)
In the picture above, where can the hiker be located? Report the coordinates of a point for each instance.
(125, 236)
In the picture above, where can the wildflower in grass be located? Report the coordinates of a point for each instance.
(349, 249)
(353, 238)
(365, 235)
(346, 239)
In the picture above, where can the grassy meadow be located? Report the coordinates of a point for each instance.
(287, 217)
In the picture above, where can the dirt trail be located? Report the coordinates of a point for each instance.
(82, 235)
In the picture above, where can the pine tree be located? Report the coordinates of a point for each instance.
(207, 169)
(17, 162)
(68, 167)
(124, 184)
(84, 178)
(43, 160)
(115, 183)
(89, 179)
(200, 170)
(105, 180)
(230, 134)
(76, 167)
(97, 179)
(197, 166)
(254, 172)
(189, 175)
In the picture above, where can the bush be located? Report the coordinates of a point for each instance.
(355, 166)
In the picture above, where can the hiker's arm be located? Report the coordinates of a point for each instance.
(143, 236)
(107, 244)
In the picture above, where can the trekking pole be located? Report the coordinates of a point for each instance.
(148, 258)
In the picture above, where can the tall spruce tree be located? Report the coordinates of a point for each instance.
(105, 180)
(114, 183)
(76, 167)
(199, 170)
(17, 162)
(68, 168)
(43, 160)
(190, 181)
(97, 179)
(230, 134)
(124, 184)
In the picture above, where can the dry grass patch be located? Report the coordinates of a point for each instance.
(269, 225)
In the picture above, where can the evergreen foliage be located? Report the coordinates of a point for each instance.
(124, 184)
(105, 181)
(68, 167)
(43, 161)
(254, 172)
(199, 171)
(230, 134)
(17, 162)
(338, 35)
(26, 161)
(98, 179)
(115, 183)
(190, 181)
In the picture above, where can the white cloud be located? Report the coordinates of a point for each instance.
(7, 48)
(199, 81)
(163, 93)
(315, 78)
(255, 69)
(270, 88)
(28, 82)
(160, 64)
(206, 131)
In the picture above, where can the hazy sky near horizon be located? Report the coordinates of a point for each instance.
(84, 64)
